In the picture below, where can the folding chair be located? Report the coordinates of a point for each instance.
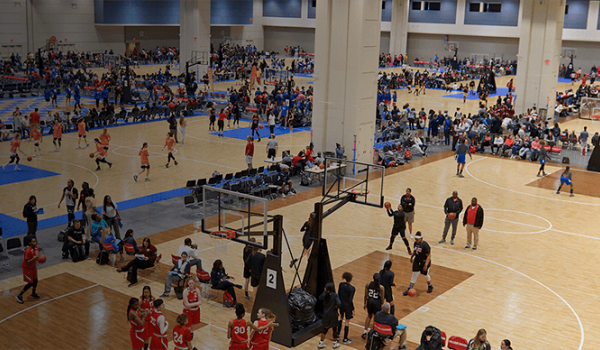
(110, 250)
(457, 343)
(129, 249)
(190, 184)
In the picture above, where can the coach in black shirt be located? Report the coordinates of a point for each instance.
(408, 203)
(384, 317)
(452, 208)
(73, 239)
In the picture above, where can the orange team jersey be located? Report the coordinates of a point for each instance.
(263, 336)
(104, 139)
(181, 335)
(57, 130)
(14, 145)
(239, 331)
(136, 333)
(169, 143)
(100, 150)
(81, 127)
(36, 134)
(144, 155)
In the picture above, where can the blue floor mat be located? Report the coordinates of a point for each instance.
(499, 91)
(10, 175)
(243, 133)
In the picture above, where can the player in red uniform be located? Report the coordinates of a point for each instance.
(136, 318)
(15, 146)
(191, 303)
(37, 139)
(159, 327)
(32, 253)
(57, 131)
(101, 155)
(147, 304)
(259, 340)
(237, 329)
(169, 142)
(145, 162)
(82, 133)
(182, 336)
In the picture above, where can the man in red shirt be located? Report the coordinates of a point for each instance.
(249, 151)
(473, 220)
(34, 119)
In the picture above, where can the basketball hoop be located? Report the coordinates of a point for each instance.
(360, 192)
(221, 239)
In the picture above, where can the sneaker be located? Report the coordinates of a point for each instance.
(474, 248)
(132, 284)
(557, 192)
(109, 165)
(17, 168)
(321, 345)
(403, 348)
(292, 193)
(88, 258)
(409, 251)
(430, 289)
(35, 296)
(98, 168)
(571, 195)
(539, 175)
(164, 295)
(88, 145)
(4, 166)
(364, 335)
(443, 240)
(176, 163)
(122, 259)
(65, 257)
(282, 195)
(135, 177)
(336, 345)
(411, 236)
(147, 180)
(467, 246)
(389, 247)
(544, 174)
(247, 297)
(239, 286)
(452, 241)
(347, 341)
(166, 166)
(461, 175)
(19, 299)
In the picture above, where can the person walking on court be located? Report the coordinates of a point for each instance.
(82, 132)
(461, 155)
(182, 126)
(69, 195)
(100, 155)
(374, 294)
(421, 262)
(346, 293)
(15, 146)
(543, 157)
(169, 142)
(408, 204)
(452, 209)
(173, 126)
(473, 221)
(57, 131)
(565, 178)
(331, 303)
(29, 266)
(249, 152)
(399, 227)
(145, 163)
(387, 281)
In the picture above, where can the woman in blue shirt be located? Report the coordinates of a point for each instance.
(116, 243)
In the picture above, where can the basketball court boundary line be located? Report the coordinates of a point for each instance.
(47, 301)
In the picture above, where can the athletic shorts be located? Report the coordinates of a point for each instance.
(261, 346)
(461, 159)
(248, 159)
(58, 138)
(80, 135)
(137, 338)
(373, 307)
(145, 166)
(247, 273)
(105, 148)
(238, 346)
(254, 280)
(346, 312)
(221, 123)
(193, 317)
(101, 157)
(36, 143)
(271, 153)
(401, 231)
(418, 267)
(409, 216)
(29, 275)
(389, 297)
(565, 180)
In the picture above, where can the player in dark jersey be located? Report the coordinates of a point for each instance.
(387, 281)
(346, 292)
(408, 204)
(421, 261)
(331, 303)
(399, 227)
(373, 299)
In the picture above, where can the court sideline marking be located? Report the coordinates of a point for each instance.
(47, 301)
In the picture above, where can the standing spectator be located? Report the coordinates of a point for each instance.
(473, 220)
(256, 262)
(272, 146)
(387, 281)
(17, 122)
(421, 263)
(249, 152)
(461, 156)
(452, 208)
(173, 126)
(182, 126)
(70, 196)
(339, 151)
(30, 211)
(479, 342)
(111, 215)
(408, 204)
(583, 137)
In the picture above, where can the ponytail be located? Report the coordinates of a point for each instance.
(132, 301)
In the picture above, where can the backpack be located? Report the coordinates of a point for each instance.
(61, 236)
(227, 299)
(304, 181)
(407, 154)
(102, 258)
(435, 343)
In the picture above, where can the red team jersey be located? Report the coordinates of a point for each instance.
(159, 340)
(14, 145)
(136, 333)
(181, 335)
(30, 269)
(193, 313)
(260, 340)
(148, 307)
(57, 131)
(239, 335)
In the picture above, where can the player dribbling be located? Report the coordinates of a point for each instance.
(29, 266)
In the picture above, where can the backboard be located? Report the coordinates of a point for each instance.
(200, 57)
(341, 177)
(451, 46)
(567, 52)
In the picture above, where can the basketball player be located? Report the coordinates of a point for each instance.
(247, 274)
(105, 138)
(387, 281)
(331, 303)
(37, 140)
(101, 155)
(136, 318)
(254, 125)
(15, 146)
(461, 156)
(306, 239)
(57, 131)
(32, 253)
(221, 122)
(421, 260)
(147, 304)
(159, 326)
(408, 204)
(346, 292)
(212, 116)
(374, 294)
(145, 163)
(169, 142)
(182, 336)
(260, 340)
(81, 132)
(237, 329)
(191, 303)
(565, 178)
(399, 227)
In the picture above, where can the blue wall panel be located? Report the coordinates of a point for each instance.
(509, 16)
(282, 8)
(578, 14)
(447, 14)
(386, 14)
(166, 12)
(312, 11)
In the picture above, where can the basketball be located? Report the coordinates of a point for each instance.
(29, 159)
(41, 259)
(261, 126)
(321, 166)
(91, 155)
(388, 205)
(412, 292)
(451, 216)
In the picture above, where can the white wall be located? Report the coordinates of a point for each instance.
(426, 46)
(153, 36)
(277, 38)
(384, 42)
(13, 19)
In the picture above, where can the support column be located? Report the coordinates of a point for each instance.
(346, 48)
(253, 33)
(399, 31)
(194, 32)
(539, 54)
